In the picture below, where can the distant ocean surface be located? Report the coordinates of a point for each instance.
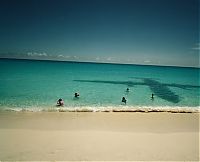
(37, 85)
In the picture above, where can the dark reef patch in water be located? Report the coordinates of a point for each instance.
(159, 89)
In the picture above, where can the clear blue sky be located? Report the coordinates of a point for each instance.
(164, 32)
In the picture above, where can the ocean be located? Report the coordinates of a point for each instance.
(33, 85)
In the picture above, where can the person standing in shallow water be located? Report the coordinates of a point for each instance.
(152, 96)
(124, 100)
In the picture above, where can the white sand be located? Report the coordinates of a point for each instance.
(99, 136)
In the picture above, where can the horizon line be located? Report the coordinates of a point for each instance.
(93, 62)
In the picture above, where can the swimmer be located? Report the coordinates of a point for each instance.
(152, 96)
(124, 100)
(76, 95)
(60, 102)
(127, 90)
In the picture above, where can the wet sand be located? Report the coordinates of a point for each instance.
(100, 136)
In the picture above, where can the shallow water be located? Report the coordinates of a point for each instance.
(27, 84)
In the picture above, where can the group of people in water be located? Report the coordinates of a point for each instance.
(127, 90)
(60, 101)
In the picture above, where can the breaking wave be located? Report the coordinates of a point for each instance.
(144, 109)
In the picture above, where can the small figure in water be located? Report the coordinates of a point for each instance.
(152, 96)
(60, 102)
(124, 100)
(127, 90)
(76, 95)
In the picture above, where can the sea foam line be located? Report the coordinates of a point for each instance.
(145, 109)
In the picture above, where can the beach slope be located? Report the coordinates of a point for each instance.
(101, 136)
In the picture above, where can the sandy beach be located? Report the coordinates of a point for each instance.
(100, 136)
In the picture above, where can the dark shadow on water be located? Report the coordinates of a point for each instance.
(159, 89)
(162, 91)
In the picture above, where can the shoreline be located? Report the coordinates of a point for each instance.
(130, 109)
(77, 136)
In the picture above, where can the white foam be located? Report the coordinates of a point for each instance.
(146, 109)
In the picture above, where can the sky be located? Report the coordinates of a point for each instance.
(156, 32)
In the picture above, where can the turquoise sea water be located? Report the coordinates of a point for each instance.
(37, 85)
